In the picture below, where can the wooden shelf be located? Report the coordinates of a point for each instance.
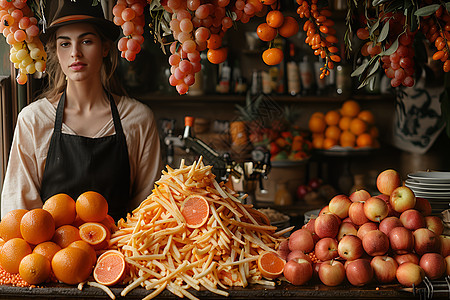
(217, 98)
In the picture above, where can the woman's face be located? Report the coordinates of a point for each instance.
(80, 51)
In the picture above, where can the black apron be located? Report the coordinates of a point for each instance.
(76, 164)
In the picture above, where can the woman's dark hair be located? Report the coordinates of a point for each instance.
(56, 79)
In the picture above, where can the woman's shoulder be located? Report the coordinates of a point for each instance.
(40, 111)
(131, 108)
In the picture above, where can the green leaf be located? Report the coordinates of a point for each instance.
(384, 32)
(394, 5)
(374, 68)
(391, 49)
(427, 10)
(374, 26)
(360, 69)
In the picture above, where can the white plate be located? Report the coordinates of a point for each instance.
(411, 183)
(433, 197)
(431, 177)
(431, 194)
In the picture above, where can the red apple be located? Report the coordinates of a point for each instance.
(444, 245)
(375, 209)
(339, 205)
(359, 272)
(433, 264)
(391, 211)
(412, 219)
(408, 257)
(359, 196)
(310, 225)
(365, 228)
(425, 241)
(324, 210)
(401, 240)
(447, 261)
(350, 247)
(345, 229)
(283, 249)
(402, 199)
(356, 213)
(302, 190)
(435, 224)
(423, 206)
(327, 225)
(298, 271)
(326, 249)
(332, 272)
(375, 243)
(347, 220)
(316, 267)
(315, 183)
(387, 181)
(409, 274)
(388, 224)
(301, 239)
(297, 254)
(384, 268)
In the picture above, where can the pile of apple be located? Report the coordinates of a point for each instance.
(362, 238)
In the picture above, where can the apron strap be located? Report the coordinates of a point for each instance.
(114, 111)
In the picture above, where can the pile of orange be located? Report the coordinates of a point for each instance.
(350, 126)
(58, 240)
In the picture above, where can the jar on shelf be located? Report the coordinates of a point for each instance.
(282, 196)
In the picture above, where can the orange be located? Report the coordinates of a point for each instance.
(328, 143)
(217, 56)
(332, 117)
(347, 139)
(110, 223)
(37, 226)
(65, 235)
(214, 41)
(71, 265)
(265, 32)
(78, 222)
(289, 28)
(270, 265)
(317, 124)
(367, 116)
(358, 126)
(12, 253)
(62, 208)
(95, 234)
(195, 210)
(317, 141)
(91, 207)
(344, 123)
(110, 268)
(275, 18)
(318, 114)
(350, 108)
(35, 268)
(10, 224)
(364, 140)
(272, 56)
(86, 247)
(47, 249)
(332, 132)
(374, 131)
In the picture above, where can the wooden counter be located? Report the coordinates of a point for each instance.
(282, 291)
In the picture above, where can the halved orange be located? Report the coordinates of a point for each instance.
(195, 210)
(95, 234)
(110, 268)
(270, 264)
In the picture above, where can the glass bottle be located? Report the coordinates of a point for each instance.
(306, 75)
(282, 196)
(293, 73)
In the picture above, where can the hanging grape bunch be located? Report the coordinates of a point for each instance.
(19, 27)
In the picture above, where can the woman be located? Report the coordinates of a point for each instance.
(81, 135)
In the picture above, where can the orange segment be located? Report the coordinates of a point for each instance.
(91, 207)
(37, 226)
(95, 234)
(110, 268)
(10, 224)
(35, 268)
(195, 210)
(62, 208)
(270, 264)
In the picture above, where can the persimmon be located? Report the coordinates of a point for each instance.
(275, 18)
(272, 56)
(289, 28)
(265, 32)
(217, 56)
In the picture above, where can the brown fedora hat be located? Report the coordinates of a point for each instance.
(65, 12)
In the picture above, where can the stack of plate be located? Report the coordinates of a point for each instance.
(434, 186)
